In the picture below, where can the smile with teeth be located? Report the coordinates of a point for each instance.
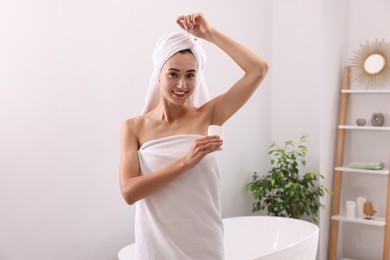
(179, 93)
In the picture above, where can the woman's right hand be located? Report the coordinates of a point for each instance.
(196, 24)
(202, 147)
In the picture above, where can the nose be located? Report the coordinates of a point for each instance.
(181, 84)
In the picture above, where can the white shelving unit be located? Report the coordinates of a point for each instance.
(364, 171)
(371, 128)
(375, 221)
(340, 169)
(365, 91)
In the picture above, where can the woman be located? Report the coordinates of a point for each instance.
(167, 162)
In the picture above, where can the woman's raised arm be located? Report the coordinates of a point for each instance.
(255, 68)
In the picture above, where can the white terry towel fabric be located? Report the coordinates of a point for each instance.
(165, 48)
(182, 220)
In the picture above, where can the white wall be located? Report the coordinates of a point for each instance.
(296, 75)
(334, 54)
(70, 73)
(297, 78)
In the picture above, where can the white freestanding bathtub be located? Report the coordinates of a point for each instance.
(262, 238)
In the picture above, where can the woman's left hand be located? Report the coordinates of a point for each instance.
(195, 24)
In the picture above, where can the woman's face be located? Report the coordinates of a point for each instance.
(178, 78)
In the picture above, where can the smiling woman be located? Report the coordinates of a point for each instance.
(168, 166)
(178, 77)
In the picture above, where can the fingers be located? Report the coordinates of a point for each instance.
(187, 22)
(193, 18)
(202, 147)
(208, 144)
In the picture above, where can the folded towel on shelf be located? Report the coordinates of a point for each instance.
(367, 165)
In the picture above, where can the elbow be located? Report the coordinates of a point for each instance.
(128, 196)
(130, 200)
(263, 70)
(260, 71)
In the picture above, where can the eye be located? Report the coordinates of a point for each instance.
(172, 74)
(191, 75)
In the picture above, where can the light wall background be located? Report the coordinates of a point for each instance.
(72, 71)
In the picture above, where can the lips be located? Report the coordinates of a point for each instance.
(179, 93)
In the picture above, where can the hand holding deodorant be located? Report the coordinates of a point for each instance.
(215, 130)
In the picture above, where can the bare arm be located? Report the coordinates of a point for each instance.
(255, 68)
(135, 186)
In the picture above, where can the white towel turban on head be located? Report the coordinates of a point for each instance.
(165, 48)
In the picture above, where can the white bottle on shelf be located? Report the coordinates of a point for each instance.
(359, 206)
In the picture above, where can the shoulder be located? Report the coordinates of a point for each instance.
(135, 123)
(131, 128)
(131, 122)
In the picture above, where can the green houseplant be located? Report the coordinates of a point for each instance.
(287, 190)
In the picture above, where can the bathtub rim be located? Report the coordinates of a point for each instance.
(130, 247)
(285, 219)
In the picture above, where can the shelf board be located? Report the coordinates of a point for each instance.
(372, 128)
(365, 91)
(366, 171)
(376, 221)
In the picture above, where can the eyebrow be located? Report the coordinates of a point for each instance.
(179, 70)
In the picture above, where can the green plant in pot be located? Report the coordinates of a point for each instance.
(287, 190)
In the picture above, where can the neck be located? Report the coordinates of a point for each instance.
(171, 113)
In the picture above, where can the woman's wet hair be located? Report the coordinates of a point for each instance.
(185, 51)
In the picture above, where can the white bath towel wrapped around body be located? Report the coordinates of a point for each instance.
(183, 219)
